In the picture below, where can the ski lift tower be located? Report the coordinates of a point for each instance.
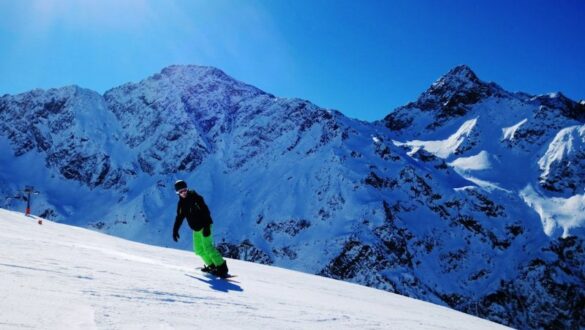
(29, 190)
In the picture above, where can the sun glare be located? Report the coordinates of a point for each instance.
(91, 14)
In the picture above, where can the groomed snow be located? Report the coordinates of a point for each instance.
(54, 276)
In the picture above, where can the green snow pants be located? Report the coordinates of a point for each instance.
(203, 247)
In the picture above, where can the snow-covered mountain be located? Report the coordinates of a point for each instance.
(471, 196)
(56, 276)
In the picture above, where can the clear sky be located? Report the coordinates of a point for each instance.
(363, 58)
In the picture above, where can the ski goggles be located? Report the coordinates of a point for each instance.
(184, 190)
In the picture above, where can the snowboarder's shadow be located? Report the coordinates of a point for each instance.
(219, 284)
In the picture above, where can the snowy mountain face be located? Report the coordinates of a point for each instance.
(71, 127)
(471, 197)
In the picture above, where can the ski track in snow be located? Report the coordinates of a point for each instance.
(54, 276)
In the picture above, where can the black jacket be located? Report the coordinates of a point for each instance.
(193, 208)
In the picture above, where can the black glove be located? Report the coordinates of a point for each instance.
(175, 235)
(206, 231)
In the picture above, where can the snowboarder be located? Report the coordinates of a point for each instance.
(192, 206)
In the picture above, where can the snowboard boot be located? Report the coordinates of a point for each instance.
(221, 270)
(208, 269)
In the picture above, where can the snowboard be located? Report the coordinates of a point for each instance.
(227, 277)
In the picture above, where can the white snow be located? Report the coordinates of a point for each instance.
(509, 132)
(442, 148)
(468, 167)
(485, 185)
(478, 162)
(566, 141)
(54, 276)
(556, 213)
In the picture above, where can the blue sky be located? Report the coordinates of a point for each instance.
(364, 58)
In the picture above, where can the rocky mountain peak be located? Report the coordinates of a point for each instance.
(192, 76)
(459, 85)
(194, 72)
(185, 80)
(460, 77)
(451, 96)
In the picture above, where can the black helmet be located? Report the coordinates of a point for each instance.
(180, 184)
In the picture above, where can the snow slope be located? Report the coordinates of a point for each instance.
(55, 276)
